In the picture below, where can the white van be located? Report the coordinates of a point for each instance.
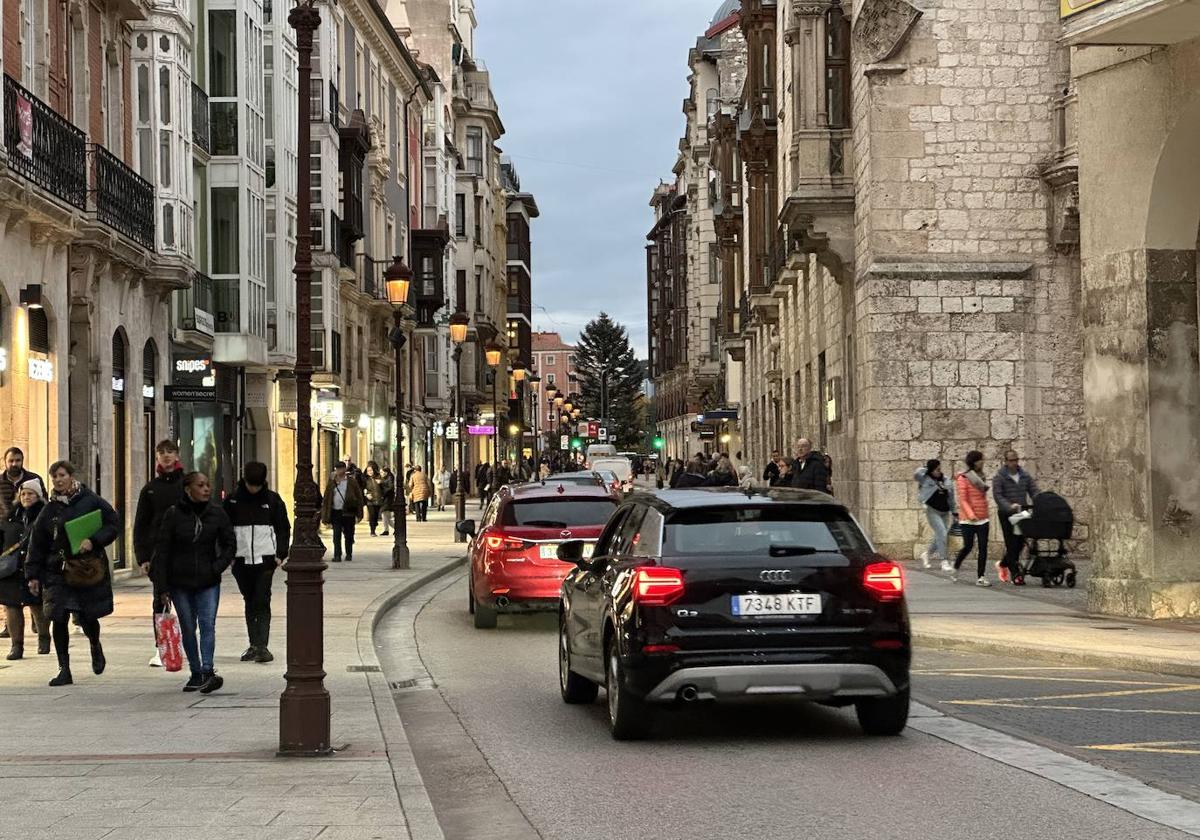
(601, 450)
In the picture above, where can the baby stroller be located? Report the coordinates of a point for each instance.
(1046, 528)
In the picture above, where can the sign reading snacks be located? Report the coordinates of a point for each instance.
(1074, 7)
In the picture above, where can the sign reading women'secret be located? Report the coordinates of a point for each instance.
(1074, 7)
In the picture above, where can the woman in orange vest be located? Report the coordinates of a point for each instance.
(971, 489)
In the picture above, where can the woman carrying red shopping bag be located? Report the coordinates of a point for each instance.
(169, 640)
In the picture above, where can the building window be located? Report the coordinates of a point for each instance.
(460, 291)
(478, 220)
(479, 290)
(460, 215)
(225, 230)
(222, 53)
(551, 379)
(475, 161)
(837, 67)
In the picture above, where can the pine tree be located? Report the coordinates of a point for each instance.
(608, 366)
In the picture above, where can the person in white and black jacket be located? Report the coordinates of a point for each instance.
(264, 533)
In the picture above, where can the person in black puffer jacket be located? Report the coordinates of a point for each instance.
(47, 573)
(260, 521)
(196, 544)
(159, 495)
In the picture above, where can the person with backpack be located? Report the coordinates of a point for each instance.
(971, 487)
(936, 495)
(159, 495)
(264, 532)
(196, 544)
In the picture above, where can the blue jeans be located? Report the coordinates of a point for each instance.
(197, 608)
(939, 521)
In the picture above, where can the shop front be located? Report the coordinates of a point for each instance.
(202, 415)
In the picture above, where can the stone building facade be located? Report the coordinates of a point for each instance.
(965, 225)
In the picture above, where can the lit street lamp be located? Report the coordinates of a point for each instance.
(304, 708)
(459, 322)
(494, 353)
(397, 280)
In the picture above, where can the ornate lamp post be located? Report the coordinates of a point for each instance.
(397, 280)
(459, 322)
(494, 354)
(304, 706)
(519, 370)
(535, 387)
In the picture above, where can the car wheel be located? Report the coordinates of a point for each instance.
(470, 596)
(485, 617)
(629, 719)
(574, 688)
(883, 715)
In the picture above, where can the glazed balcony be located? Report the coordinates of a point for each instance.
(195, 305)
(201, 131)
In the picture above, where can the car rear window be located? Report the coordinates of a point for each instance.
(763, 531)
(557, 513)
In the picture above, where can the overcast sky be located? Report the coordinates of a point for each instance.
(591, 96)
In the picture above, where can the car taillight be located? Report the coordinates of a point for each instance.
(657, 586)
(499, 542)
(885, 581)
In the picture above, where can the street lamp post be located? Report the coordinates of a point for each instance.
(304, 707)
(459, 322)
(535, 383)
(397, 279)
(519, 370)
(494, 354)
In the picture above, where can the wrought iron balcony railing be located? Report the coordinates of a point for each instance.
(43, 146)
(196, 305)
(123, 199)
(200, 120)
(371, 276)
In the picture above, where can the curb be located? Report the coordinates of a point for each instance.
(1060, 655)
(414, 798)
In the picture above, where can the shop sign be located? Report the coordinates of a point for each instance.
(564, 441)
(205, 322)
(481, 430)
(25, 127)
(194, 370)
(148, 392)
(451, 431)
(328, 412)
(1074, 7)
(118, 384)
(439, 428)
(379, 430)
(190, 393)
(41, 370)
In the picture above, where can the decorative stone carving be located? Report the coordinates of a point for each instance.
(882, 28)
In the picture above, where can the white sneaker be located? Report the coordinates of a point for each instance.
(156, 660)
(983, 582)
(925, 560)
(947, 566)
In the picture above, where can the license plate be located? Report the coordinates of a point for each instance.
(791, 603)
(549, 551)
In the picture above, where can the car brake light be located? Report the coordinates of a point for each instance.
(885, 581)
(498, 542)
(657, 586)
(660, 649)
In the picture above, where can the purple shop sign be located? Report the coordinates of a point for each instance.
(481, 430)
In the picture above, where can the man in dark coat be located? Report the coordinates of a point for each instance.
(342, 509)
(160, 494)
(693, 475)
(771, 473)
(13, 477)
(808, 471)
(49, 551)
(264, 533)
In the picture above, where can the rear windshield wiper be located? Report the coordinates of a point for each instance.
(791, 550)
(544, 523)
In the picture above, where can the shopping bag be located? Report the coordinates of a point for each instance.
(170, 645)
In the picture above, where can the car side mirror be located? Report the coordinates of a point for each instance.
(572, 552)
(466, 527)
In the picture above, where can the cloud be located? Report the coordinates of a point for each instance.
(590, 94)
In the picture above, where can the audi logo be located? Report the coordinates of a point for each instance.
(775, 575)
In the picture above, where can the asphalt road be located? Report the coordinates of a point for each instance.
(504, 758)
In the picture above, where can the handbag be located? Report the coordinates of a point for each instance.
(10, 561)
(940, 500)
(84, 570)
(168, 639)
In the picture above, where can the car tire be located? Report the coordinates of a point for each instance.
(485, 617)
(470, 596)
(574, 688)
(883, 715)
(629, 718)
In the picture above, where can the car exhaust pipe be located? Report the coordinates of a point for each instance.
(689, 693)
(502, 601)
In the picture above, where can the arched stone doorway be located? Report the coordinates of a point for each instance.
(1139, 186)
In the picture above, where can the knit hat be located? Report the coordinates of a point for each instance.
(35, 486)
(932, 464)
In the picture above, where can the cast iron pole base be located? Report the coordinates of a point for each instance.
(460, 513)
(400, 555)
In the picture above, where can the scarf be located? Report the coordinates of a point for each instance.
(977, 479)
(160, 470)
(65, 498)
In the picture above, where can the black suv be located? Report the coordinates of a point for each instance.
(719, 593)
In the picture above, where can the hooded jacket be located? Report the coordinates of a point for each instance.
(260, 524)
(160, 494)
(195, 546)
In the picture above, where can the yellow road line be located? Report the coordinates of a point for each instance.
(1168, 747)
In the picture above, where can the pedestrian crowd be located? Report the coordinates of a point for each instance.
(54, 548)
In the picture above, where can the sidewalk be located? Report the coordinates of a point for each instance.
(127, 755)
(996, 620)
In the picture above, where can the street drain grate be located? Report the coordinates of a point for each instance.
(1109, 627)
(418, 682)
(363, 669)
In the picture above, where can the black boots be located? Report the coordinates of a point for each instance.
(98, 660)
(63, 678)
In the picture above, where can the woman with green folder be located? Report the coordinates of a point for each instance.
(68, 566)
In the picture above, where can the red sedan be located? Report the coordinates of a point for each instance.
(514, 554)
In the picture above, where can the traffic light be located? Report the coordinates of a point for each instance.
(659, 443)
(576, 443)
